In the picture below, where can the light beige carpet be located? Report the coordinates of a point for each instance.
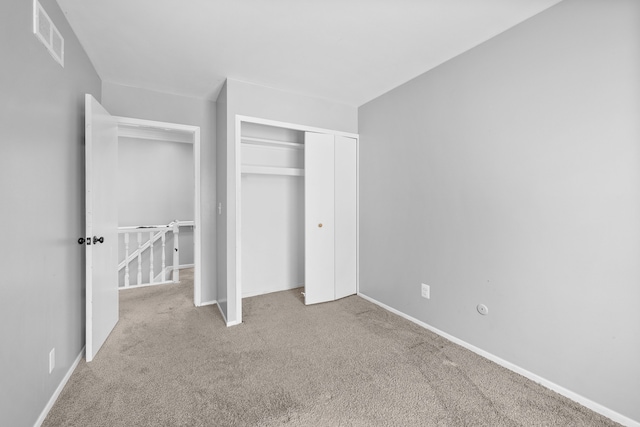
(345, 363)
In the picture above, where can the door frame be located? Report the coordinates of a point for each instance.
(235, 287)
(158, 128)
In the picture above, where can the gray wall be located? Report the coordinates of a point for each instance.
(155, 181)
(155, 186)
(42, 303)
(146, 104)
(510, 176)
(258, 101)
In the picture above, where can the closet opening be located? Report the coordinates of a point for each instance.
(296, 211)
(272, 213)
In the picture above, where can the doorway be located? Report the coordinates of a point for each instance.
(101, 211)
(173, 153)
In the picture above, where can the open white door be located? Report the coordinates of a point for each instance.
(101, 162)
(319, 181)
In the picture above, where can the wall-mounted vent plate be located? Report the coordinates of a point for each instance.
(47, 32)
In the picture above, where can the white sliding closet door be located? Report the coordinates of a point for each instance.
(319, 165)
(345, 216)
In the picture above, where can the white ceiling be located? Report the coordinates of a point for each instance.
(349, 51)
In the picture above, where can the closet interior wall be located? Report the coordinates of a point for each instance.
(272, 214)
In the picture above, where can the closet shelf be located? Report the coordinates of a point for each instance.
(271, 170)
(270, 142)
(155, 134)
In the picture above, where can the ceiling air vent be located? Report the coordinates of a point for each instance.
(48, 34)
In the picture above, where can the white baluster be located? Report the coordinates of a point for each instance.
(139, 258)
(151, 257)
(176, 253)
(164, 238)
(126, 259)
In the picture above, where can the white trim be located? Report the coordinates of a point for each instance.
(59, 389)
(181, 266)
(238, 213)
(293, 126)
(588, 403)
(358, 215)
(146, 285)
(186, 223)
(169, 269)
(197, 234)
(208, 303)
(143, 228)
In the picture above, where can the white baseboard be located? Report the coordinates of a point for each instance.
(202, 304)
(168, 270)
(234, 323)
(59, 389)
(596, 407)
(144, 285)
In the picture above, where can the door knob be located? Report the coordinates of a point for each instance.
(320, 225)
(98, 240)
(81, 241)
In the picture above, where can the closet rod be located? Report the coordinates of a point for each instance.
(260, 141)
(271, 170)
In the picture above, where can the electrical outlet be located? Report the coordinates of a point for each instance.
(426, 291)
(52, 359)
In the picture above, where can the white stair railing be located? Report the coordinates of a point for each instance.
(155, 232)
